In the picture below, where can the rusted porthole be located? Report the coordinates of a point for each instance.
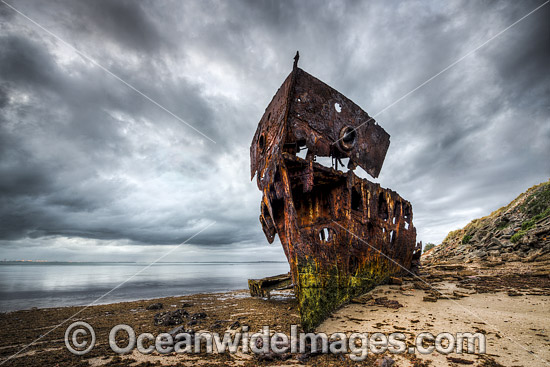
(348, 137)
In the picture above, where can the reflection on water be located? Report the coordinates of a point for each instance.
(27, 285)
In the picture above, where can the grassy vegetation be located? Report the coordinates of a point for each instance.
(537, 206)
(515, 238)
(451, 235)
(538, 202)
(466, 239)
(428, 247)
(528, 224)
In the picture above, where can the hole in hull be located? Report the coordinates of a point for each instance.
(302, 153)
(356, 200)
(382, 207)
(261, 143)
(326, 234)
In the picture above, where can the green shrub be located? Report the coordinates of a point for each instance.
(528, 224)
(466, 239)
(428, 247)
(515, 238)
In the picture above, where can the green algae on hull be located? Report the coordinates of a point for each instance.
(320, 293)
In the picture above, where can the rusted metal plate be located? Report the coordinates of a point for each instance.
(306, 112)
(342, 235)
(320, 116)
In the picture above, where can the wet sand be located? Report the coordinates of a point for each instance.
(512, 311)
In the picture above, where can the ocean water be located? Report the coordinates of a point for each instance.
(27, 285)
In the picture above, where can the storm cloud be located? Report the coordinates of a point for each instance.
(90, 168)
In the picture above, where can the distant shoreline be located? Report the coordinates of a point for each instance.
(41, 262)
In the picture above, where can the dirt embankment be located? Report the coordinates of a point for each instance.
(518, 232)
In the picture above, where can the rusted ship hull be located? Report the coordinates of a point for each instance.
(341, 238)
(341, 234)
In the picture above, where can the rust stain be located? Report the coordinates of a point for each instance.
(341, 234)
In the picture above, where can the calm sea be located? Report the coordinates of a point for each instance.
(27, 285)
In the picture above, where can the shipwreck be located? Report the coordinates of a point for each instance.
(342, 235)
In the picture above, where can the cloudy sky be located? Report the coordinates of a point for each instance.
(91, 169)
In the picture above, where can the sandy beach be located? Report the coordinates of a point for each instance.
(511, 310)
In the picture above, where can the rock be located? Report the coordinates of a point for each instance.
(514, 257)
(180, 329)
(533, 256)
(513, 293)
(396, 281)
(198, 315)
(170, 318)
(235, 325)
(364, 299)
(384, 301)
(384, 362)
(466, 273)
(449, 267)
(154, 306)
(272, 356)
(421, 285)
(481, 233)
(459, 360)
(460, 294)
(429, 299)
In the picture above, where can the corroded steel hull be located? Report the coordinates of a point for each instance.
(342, 235)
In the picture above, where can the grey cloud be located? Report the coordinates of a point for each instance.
(26, 63)
(85, 157)
(126, 21)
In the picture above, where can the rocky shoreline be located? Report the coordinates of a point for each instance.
(518, 232)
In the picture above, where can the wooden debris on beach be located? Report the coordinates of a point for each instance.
(263, 287)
